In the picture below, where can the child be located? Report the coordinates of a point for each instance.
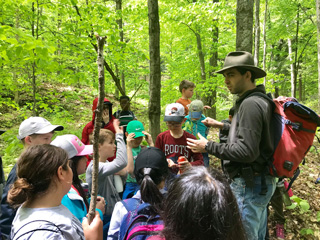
(186, 88)
(173, 142)
(75, 200)
(194, 125)
(135, 133)
(44, 178)
(32, 131)
(107, 123)
(224, 132)
(151, 170)
(125, 115)
(200, 205)
(106, 184)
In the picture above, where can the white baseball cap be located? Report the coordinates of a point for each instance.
(36, 125)
(174, 112)
(72, 145)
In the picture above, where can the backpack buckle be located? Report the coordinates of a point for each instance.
(295, 125)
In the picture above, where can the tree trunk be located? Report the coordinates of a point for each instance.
(265, 41)
(292, 68)
(318, 36)
(34, 81)
(257, 33)
(155, 73)
(97, 126)
(300, 87)
(211, 99)
(244, 19)
(116, 91)
(14, 74)
(201, 57)
(120, 26)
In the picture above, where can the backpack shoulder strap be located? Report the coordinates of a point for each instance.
(267, 96)
(48, 223)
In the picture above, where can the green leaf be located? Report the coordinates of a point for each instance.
(318, 216)
(4, 55)
(306, 231)
(304, 205)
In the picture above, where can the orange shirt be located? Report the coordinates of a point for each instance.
(185, 103)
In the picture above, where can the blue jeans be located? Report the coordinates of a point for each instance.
(205, 159)
(253, 206)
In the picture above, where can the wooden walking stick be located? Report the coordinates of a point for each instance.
(97, 126)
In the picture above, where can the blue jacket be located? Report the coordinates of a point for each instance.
(7, 212)
(74, 202)
(195, 127)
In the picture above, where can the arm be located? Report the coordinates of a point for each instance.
(117, 215)
(85, 135)
(210, 122)
(245, 141)
(130, 166)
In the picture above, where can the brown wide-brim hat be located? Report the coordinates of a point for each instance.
(243, 60)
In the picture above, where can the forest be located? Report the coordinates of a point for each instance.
(48, 61)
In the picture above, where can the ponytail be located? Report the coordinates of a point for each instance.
(76, 182)
(20, 192)
(149, 179)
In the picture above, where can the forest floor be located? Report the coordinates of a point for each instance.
(71, 107)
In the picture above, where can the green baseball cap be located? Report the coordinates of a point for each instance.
(135, 127)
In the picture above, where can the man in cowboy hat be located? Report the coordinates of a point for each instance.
(249, 143)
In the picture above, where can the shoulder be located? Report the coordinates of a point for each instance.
(255, 102)
(58, 220)
(180, 100)
(163, 133)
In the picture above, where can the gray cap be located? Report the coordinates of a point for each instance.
(36, 125)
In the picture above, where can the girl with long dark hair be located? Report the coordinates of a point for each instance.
(151, 170)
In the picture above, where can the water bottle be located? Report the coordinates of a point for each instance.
(118, 183)
(284, 193)
(286, 184)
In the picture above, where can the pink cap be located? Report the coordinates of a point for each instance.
(72, 145)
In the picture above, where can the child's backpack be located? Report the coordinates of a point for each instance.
(294, 128)
(140, 223)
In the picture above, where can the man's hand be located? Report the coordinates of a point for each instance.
(148, 138)
(197, 145)
(210, 122)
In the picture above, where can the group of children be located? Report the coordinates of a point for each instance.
(46, 176)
